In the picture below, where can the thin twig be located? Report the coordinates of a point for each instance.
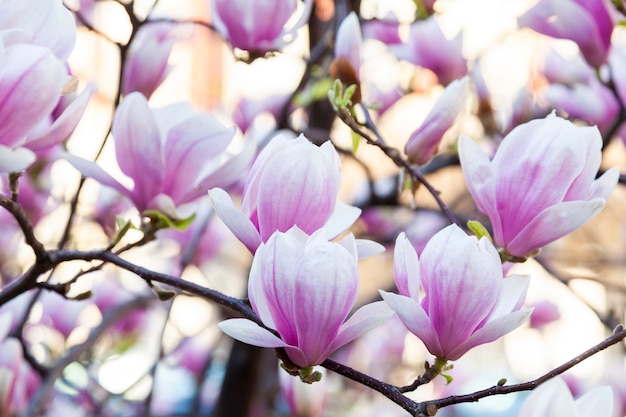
(397, 159)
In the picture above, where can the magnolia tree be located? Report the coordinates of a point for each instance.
(125, 291)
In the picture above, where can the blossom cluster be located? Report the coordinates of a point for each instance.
(197, 187)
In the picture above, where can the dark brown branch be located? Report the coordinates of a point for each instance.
(27, 228)
(149, 276)
(617, 337)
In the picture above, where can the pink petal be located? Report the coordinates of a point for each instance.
(406, 268)
(480, 181)
(138, 146)
(364, 319)
(30, 88)
(251, 333)
(63, 126)
(415, 319)
(92, 170)
(491, 331)
(552, 223)
(234, 219)
(325, 291)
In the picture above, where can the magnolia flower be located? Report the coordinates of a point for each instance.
(291, 183)
(465, 301)
(146, 65)
(49, 24)
(541, 183)
(303, 287)
(257, 25)
(428, 47)
(586, 22)
(574, 88)
(424, 142)
(553, 398)
(33, 114)
(172, 155)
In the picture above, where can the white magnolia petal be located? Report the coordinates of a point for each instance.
(234, 219)
(251, 333)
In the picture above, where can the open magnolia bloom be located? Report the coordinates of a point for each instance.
(541, 183)
(258, 26)
(303, 287)
(291, 183)
(172, 155)
(553, 398)
(454, 298)
(586, 22)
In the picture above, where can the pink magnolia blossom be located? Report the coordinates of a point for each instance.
(291, 183)
(303, 287)
(257, 25)
(428, 47)
(146, 64)
(465, 301)
(49, 24)
(540, 184)
(553, 398)
(586, 22)
(574, 88)
(172, 155)
(33, 114)
(424, 142)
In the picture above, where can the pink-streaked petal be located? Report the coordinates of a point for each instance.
(298, 187)
(138, 145)
(189, 150)
(470, 273)
(480, 181)
(424, 142)
(325, 291)
(272, 283)
(415, 319)
(13, 160)
(491, 331)
(49, 24)
(227, 173)
(90, 169)
(234, 219)
(30, 88)
(365, 318)
(406, 268)
(251, 333)
(64, 125)
(552, 223)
